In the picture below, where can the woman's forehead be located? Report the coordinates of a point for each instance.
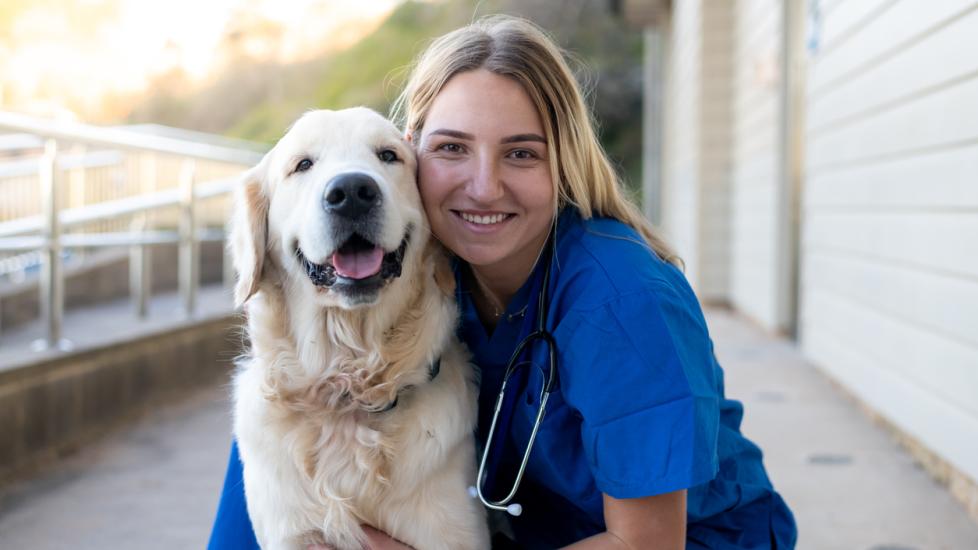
(483, 104)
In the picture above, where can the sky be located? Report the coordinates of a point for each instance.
(65, 57)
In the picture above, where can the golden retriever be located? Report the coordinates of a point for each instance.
(355, 403)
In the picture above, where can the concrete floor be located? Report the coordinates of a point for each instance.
(155, 484)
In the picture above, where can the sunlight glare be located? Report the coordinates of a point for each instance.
(50, 64)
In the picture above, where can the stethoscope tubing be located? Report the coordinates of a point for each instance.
(541, 333)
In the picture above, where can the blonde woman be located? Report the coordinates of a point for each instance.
(636, 446)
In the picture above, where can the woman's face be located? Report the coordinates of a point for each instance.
(484, 174)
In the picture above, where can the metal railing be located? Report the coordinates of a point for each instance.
(45, 232)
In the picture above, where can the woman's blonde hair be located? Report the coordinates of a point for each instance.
(518, 49)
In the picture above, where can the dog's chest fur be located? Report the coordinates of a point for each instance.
(314, 388)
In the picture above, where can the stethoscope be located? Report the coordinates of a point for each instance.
(540, 333)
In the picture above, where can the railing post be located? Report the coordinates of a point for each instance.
(74, 195)
(140, 281)
(52, 275)
(189, 246)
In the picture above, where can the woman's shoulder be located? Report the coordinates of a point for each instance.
(601, 260)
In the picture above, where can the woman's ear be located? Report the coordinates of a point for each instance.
(249, 232)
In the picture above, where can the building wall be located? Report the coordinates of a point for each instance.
(696, 179)
(715, 162)
(889, 287)
(680, 192)
(756, 164)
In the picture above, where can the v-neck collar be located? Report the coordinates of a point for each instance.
(493, 350)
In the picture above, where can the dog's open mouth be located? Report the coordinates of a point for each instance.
(356, 262)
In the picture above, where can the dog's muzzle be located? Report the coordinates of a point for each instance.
(356, 263)
(353, 203)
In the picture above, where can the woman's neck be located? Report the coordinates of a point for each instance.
(497, 286)
(494, 286)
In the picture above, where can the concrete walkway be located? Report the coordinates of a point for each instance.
(155, 484)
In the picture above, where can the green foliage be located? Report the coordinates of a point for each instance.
(372, 72)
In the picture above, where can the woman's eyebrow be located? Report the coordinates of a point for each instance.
(452, 133)
(523, 137)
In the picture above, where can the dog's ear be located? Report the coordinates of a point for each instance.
(249, 232)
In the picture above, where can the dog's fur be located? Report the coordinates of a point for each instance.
(321, 454)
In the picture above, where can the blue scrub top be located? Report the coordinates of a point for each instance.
(638, 408)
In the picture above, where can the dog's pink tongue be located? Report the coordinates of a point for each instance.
(358, 265)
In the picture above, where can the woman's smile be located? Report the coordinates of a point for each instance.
(483, 222)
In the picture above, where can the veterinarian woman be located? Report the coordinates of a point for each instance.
(637, 448)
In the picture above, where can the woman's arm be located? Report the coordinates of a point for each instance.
(657, 522)
(649, 523)
(232, 527)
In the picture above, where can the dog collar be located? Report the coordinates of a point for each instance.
(433, 369)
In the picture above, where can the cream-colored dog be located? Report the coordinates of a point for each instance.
(355, 404)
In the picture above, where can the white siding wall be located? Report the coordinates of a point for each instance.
(696, 199)
(756, 159)
(715, 165)
(889, 290)
(680, 198)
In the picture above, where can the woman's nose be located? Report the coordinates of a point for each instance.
(485, 185)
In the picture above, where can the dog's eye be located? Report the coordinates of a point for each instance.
(388, 156)
(303, 165)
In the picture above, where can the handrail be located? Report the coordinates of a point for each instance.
(31, 167)
(116, 208)
(44, 233)
(116, 137)
(118, 238)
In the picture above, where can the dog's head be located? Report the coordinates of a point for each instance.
(334, 206)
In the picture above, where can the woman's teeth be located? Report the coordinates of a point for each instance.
(483, 220)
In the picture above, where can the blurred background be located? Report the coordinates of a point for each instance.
(247, 68)
(815, 163)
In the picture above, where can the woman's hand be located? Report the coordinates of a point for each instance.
(376, 540)
(379, 540)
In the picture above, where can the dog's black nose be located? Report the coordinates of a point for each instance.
(351, 195)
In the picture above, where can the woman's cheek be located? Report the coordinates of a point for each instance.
(434, 183)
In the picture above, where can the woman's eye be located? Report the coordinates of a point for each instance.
(388, 156)
(450, 148)
(303, 165)
(523, 154)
